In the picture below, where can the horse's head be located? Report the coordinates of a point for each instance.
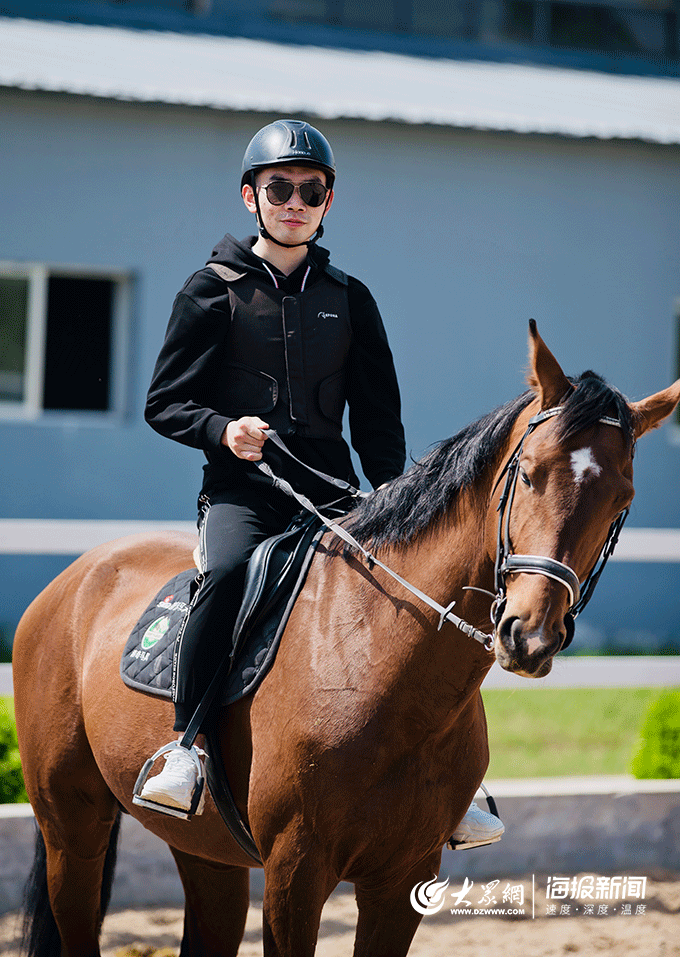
(562, 493)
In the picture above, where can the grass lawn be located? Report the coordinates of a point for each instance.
(547, 732)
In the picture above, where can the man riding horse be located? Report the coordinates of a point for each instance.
(269, 335)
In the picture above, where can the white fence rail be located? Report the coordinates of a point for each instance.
(55, 536)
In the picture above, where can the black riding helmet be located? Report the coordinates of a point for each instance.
(287, 143)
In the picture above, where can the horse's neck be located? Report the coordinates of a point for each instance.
(451, 556)
(441, 563)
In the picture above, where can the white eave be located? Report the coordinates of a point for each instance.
(226, 73)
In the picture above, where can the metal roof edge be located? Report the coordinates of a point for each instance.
(238, 74)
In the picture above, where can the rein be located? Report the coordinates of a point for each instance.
(506, 562)
(445, 614)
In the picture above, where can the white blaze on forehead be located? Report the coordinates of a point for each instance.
(583, 464)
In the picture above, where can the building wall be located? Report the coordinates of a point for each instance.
(462, 237)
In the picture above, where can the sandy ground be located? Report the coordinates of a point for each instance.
(654, 931)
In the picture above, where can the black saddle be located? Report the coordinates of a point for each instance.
(276, 572)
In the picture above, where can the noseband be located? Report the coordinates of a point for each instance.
(509, 564)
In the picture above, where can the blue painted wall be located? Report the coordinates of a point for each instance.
(462, 236)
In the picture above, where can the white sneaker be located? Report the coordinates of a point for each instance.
(477, 828)
(176, 783)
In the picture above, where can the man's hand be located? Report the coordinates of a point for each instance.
(245, 437)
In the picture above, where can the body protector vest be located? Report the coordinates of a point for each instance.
(287, 354)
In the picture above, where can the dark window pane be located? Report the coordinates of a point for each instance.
(518, 21)
(377, 15)
(13, 319)
(458, 18)
(165, 4)
(642, 31)
(592, 27)
(581, 27)
(305, 11)
(78, 344)
(383, 15)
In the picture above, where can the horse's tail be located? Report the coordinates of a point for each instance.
(40, 933)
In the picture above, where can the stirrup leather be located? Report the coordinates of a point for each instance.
(166, 808)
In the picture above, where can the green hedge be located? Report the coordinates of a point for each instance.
(12, 789)
(659, 756)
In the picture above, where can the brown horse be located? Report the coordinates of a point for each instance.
(361, 751)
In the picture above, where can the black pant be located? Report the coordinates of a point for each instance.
(231, 524)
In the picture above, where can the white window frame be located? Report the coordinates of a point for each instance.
(38, 274)
(674, 429)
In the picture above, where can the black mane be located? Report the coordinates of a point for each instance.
(409, 505)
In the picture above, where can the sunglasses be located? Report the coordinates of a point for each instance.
(280, 191)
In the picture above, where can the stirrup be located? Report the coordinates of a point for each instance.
(166, 808)
(468, 845)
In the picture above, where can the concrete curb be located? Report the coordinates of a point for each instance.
(560, 826)
(568, 826)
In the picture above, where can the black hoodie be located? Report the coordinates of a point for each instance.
(185, 404)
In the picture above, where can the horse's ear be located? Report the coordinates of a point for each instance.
(650, 412)
(545, 376)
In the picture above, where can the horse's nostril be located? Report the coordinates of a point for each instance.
(527, 646)
(510, 631)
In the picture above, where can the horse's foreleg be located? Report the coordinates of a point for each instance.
(297, 885)
(217, 898)
(387, 921)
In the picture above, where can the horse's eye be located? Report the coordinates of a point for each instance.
(525, 478)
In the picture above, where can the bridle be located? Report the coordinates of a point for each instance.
(508, 563)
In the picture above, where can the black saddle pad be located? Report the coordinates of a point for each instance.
(276, 573)
(146, 664)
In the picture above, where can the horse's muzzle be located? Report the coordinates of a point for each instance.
(529, 651)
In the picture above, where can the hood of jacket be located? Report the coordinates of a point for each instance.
(240, 257)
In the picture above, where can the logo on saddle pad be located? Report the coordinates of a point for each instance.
(156, 630)
(173, 605)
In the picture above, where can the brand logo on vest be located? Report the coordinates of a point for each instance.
(328, 315)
